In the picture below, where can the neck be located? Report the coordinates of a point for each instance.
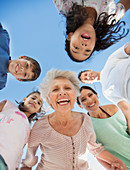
(27, 114)
(92, 15)
(61, 119)
(96, 114)
(8, 65)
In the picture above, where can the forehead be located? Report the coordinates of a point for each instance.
(85, 92)
(60, 81)
(37, 95)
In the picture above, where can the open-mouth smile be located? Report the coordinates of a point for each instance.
(63, 101)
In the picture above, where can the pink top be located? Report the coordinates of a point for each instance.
(60, 151)
(14, 133)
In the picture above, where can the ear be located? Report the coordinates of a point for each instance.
(69, 36)
(80, 106)
(24, 99)
(18, 79)
(22, 57)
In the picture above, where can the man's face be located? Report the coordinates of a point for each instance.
(21, 69)
(89, 76)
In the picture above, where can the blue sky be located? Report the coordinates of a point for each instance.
(37, 30)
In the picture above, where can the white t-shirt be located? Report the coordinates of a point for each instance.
(115, 76)
(108, 6)
(14, 133)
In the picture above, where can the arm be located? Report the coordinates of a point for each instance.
(125, 108)
(2, 104)
(126, 4)
(104, 164)
(106, 158)
(111, 160)
(33, 144)
(122, 52)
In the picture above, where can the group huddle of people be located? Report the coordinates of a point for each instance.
(65, 135)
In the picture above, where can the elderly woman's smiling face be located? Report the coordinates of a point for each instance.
(62, 95)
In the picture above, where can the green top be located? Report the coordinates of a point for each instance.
(112, 133)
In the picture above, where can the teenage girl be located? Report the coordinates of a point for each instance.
(91, 25)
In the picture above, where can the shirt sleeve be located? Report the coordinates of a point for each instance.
(33, 143)
(93, 147)
(120, 11)
(63, 6)
(120, 53)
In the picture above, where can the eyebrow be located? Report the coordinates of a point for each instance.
(86, 54)
(78, 53)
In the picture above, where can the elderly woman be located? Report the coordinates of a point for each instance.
(64, 135)
(109, 123)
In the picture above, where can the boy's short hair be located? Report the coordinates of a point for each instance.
(79, 75)
(36, 69)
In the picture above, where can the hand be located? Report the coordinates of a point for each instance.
(118, 165)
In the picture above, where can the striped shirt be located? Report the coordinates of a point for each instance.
(61, 152)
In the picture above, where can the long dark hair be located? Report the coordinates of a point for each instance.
(106, 34)
(33, 116)
(85, 87)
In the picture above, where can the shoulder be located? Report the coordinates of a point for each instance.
(110, 109)
(42, 123)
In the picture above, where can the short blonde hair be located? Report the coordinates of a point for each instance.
(54, 74)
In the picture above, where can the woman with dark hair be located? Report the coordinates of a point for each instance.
(92, 25)
(15, 129)
(109, 124)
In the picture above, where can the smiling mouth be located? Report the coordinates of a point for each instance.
(85, 36)
(92, 105)
(63, 101)
(16, 68)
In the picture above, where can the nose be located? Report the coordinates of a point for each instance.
(21, 68)
(62, 92)
(89, 100)
(84, 44)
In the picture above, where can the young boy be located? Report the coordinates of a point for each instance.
(24, 68)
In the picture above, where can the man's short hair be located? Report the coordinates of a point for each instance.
(36, 69)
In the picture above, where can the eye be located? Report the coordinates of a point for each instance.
(67, 88)
(90, 95)
(39, 103)
(27, 65)
(87, 50)
(82, 100)
(76, 47)
(33, 98)
(25, 75)
(56, 89)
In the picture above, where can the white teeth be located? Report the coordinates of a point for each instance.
(63, 103)
(62, 100)
(92, 105)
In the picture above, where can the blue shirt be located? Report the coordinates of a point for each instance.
(4, 56)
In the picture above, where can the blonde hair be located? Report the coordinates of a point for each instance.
(54, 74)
